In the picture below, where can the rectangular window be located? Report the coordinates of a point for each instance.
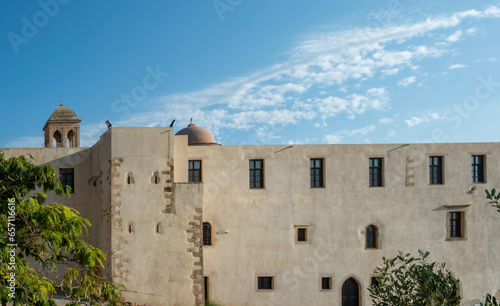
(375, 165)
(67, 178)
(456, 224)
(265, 282)
(256, 173)
(194, 171)
(435, 170)
(302, 234)
(317, 173)
(326, 283)
(477, 162)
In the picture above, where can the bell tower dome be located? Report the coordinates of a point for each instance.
(62, 128)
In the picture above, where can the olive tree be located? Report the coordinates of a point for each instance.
(408, 280)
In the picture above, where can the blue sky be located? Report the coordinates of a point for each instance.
(255, 72)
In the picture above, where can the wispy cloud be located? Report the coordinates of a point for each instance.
(455, 36)
(407, 81)
(324, 77)
(414, 120)
(456, 66)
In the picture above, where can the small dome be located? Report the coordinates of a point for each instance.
(197, 135)
(63, 113)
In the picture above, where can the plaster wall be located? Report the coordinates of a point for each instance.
(254, 235)
(156, 225)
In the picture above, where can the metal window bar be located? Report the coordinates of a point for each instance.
(316, 173)
(477, 168)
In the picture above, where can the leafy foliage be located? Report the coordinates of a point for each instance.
(494, 198)
(490, 301)
(48, 235)
(407, 280)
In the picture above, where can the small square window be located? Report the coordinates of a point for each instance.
(265, 282)
(301, 234)
(256, 167)
(326, 283)
(67, 178)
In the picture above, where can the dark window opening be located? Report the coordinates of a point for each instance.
(207, 234)
(456, 224)
(375, 280)
(326, 283)
(265, 282)
(316, 165)
(302, 234)
(67, 178)
(375, 165)
(477, 162)
(371, 237)
(256, 173)
(205, 284)
(436, 170)
(194, 171)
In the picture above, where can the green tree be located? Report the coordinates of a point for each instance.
(49, 235)
(495, 202)
(407, 280)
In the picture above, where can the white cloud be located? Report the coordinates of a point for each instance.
(390, 71)
(385, 120)
(352, 105)
(362, 131)
(455, 36)
(471, 31)
(416, 121)
(492, 59)
(407, 81)
(457, 66)
(302, 86)
(333, 139)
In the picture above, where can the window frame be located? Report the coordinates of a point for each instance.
(452, 227)
(265, 276)
(307, 234)
(436, 170)
(64, 180)
(376, 179)
(318, 182)
(255, 172)
(478, 168)
(192, 171)
(210, 230)
(374, 238)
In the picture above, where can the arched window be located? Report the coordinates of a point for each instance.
(207, 233)
(371, 237)
(350, 293)
(130, 178)
(71, 139)
(57, 139)
(155, 178)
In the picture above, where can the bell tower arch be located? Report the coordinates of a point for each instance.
(62, 129)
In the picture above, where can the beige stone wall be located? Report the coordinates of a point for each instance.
(254, 228)
(156, 225)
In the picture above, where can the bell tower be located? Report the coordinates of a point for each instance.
(62, 129)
